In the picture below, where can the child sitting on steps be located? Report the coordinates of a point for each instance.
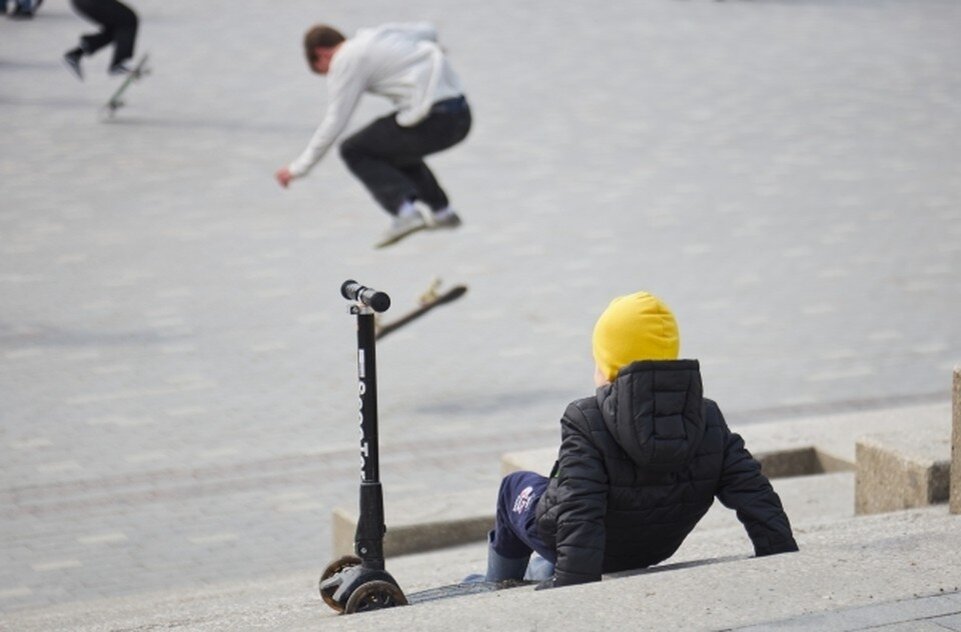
(639, 465)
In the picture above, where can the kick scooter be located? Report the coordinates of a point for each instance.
(359, 583)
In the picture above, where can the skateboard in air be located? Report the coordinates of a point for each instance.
(433, 297)
(116, 102)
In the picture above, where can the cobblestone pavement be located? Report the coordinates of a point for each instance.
(177, 397)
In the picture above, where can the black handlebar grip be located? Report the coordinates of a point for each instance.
(354, 291)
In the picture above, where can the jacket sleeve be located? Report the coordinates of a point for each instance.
(345, 85)
(746, 490)
(581, 505)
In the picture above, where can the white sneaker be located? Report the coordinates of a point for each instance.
(119, 69)
(446, 219)
(402, 226)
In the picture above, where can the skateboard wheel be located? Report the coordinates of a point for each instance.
(375, 595)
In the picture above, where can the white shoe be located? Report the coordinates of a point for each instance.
(446, 219)
(402, 226)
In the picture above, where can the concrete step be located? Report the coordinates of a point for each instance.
(422, 523)
(807, 446)
(900, 470)
(807, 500)
(845, 561)
(426, 523)
(851, 563)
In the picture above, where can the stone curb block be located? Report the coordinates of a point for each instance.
(902, 471)
(955, 492)
(422, 524)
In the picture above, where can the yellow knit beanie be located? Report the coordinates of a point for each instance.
(634, 327)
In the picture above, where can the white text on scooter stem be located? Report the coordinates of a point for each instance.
(364, 448)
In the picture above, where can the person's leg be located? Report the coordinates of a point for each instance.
(438, 132)
(428, 189)
(21, 9)
(119, 26)
(388, 158)
(125, 24)
(92, 42)
(362, 152)
(515, 537)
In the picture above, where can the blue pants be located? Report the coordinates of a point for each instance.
(515, 527)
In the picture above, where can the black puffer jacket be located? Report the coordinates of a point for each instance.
(639, 465)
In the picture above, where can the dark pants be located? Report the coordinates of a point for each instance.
(21, 6)
(515, 526)
(119, 26)
(389, 159)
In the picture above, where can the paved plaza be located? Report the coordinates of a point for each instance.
(177, 387)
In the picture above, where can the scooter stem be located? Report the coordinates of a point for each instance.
(369, 538)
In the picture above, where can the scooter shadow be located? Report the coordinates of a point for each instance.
(678, 566)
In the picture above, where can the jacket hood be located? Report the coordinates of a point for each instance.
(654, 410)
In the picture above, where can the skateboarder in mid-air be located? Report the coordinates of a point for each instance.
(639, 465)
(404, 63)
(118, 25)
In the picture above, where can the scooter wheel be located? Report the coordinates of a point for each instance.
(375, 595)
(332, 569)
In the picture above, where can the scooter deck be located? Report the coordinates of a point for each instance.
(462, 589)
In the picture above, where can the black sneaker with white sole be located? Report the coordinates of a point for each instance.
(72, 60)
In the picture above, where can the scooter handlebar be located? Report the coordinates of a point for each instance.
(354, 291)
